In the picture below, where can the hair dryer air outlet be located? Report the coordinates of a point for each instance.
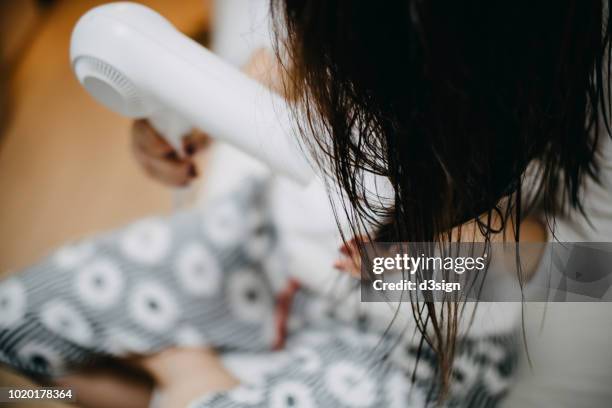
(132, 60)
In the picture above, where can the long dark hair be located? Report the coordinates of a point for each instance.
(451, 101)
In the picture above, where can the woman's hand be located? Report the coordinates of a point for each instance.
(160, 160)
(350, 259)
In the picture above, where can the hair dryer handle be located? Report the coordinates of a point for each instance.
(172, 127)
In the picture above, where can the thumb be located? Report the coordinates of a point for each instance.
(196, 141)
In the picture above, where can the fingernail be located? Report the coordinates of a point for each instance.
(190, 149)
(193, 172)
(171, 155)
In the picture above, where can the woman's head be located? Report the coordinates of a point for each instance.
(451, 100)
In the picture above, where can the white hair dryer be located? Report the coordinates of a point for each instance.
(136, 63)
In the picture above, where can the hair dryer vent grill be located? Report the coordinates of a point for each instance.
(109, 86)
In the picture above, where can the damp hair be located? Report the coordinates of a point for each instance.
(451, 102)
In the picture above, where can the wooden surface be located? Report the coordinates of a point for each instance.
(65, 165)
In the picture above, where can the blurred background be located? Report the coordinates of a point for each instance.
(65, 164)
(66, 171)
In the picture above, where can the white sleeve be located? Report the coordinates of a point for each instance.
(597, 200)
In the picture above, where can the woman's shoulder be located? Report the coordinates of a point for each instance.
(596, 223)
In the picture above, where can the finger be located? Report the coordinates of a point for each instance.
(172, 173)
(196, 141)
(348, 265)
(345, 249)
(349, 248)
(147, 140)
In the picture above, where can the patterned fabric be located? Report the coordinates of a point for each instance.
(331, 364)
(205, 280)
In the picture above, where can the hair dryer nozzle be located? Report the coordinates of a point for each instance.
(109, 86)
(133, 61)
